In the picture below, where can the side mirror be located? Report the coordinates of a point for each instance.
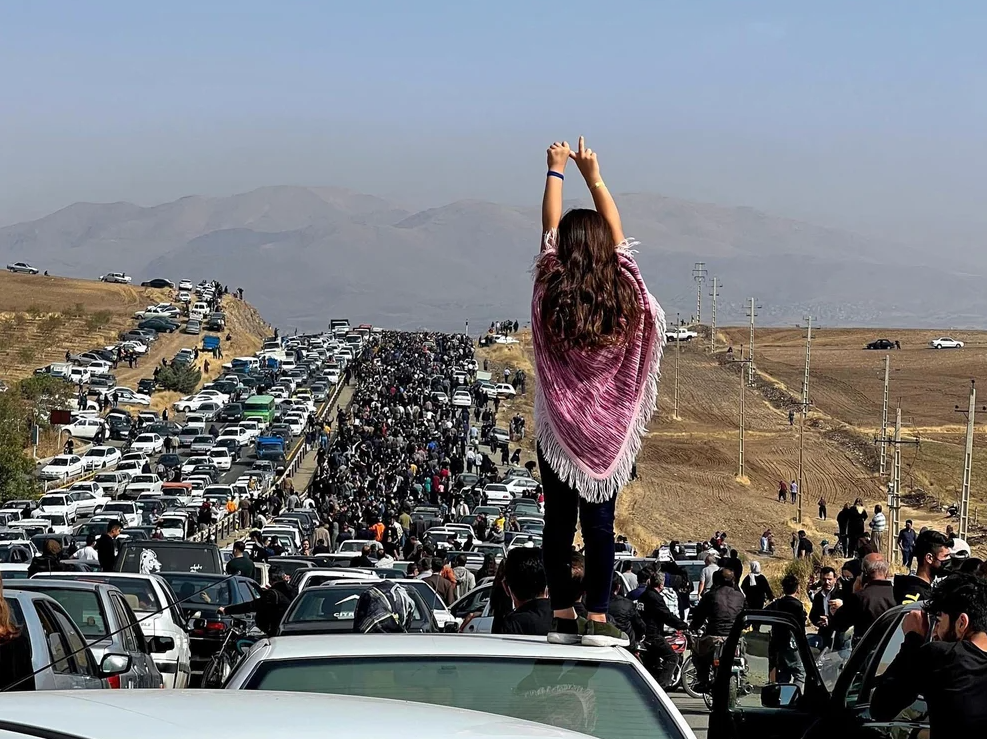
(451, 628)
(114, 664)
(160, 644)
(775, 695)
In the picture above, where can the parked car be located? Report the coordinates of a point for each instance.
(155, 605)
(62, 467)
(680, 334)
(945, 342)
(87, 503)
(148, 444)
(22, 268)
(108, 625)
(193, 326)
(118, 277)
(160, 324)
(100, 457)
(59, 654)
(881, 344)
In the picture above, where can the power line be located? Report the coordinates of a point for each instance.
(699, 275)
(884, 415)
(804, 410)
(894, 487)
(967, 462)
(741, 473)
(678, 352)
(712, 324)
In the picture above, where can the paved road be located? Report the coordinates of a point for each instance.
(694, 711)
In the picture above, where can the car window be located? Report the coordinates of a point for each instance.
(888, 650)
(882, 644)
(123, 618)
(607, 700)
(66, 648)
(84, 607)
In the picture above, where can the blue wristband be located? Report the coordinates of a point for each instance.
(556, 174)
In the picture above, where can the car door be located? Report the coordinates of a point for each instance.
(71, 661)
(849, 712)
(780, 693)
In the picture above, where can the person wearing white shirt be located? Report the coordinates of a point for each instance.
(88, 552)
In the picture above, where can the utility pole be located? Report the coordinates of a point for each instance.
(884, 415)
(967, 464)
(678, 351)
(804, 411)
(743, 412)
(752, 314)
(894, 487)
(699, 275)
(712, 324)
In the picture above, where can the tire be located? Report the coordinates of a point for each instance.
(211, 673)
(688, 678)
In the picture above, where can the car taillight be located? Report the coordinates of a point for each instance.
(113, 681)
(215, 626)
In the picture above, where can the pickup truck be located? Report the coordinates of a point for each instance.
(680, 334)
(270, 448)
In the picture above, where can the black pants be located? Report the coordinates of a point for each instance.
(562, 506)
(660, 660)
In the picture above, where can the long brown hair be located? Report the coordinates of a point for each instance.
(587, 303)
(8, 629)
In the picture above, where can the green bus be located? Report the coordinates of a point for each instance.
(260, 407)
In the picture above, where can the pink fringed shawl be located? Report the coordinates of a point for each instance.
(593, 407)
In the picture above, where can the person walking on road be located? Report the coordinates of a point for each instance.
(608, 348)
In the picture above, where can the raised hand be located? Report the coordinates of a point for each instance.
(586, 161)
(558, 156)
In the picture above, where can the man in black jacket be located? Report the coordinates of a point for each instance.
(660, 659)
(950, 673)
(624, 614)
(524, 574)
(820, 613)
(272, 604)
(717, 610)
(106, 547)
(866, 605)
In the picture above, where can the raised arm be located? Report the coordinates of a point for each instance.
(602, 199)
(551, 204)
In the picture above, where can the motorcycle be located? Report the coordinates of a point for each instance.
(233, 649)
(678, 641)
(703, 688)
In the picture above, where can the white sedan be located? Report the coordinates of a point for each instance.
(192, 462)
(497, 494)
(148, 443)
(101, 457)
(192, 402)
(119, 277)
(88, 504)
(220, 456)
(462, 399)
(945, 342)
(63, 467)
(501, 339)
(126, 396)
(240, 435)
(506, 390)
(58, 503)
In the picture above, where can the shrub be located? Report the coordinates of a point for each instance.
(183, 378)
(77, 311)
(35, 310)
(50, 325)
(26, 354)
(98, 320)
(19, 319)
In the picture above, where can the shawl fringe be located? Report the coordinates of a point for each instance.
(591, 488)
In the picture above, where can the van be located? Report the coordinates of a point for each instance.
(199, 311)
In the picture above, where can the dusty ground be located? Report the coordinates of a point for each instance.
(688, 485)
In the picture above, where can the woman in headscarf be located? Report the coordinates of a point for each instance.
(597, 334)
(756, 588)
(15, 651)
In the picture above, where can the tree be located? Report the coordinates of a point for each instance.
(16, 466)
(183, 378)
(41, 394)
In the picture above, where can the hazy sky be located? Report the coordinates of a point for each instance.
(864, 114)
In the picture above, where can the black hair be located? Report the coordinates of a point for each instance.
(961, 593)
(931, 542)
(437, 564)
(828, 571)
(524, 572)
(239, 546)
(789, 584)
(460, 560)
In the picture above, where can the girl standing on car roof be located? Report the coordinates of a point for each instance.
(597, 334)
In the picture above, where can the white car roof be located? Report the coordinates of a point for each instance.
(200, 714)
(444, 645)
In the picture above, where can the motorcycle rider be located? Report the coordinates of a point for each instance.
(659, 657)
(717, 610)
(624, 613)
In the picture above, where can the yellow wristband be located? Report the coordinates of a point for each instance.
(598, 184)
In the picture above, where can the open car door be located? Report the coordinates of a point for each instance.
(767, 685)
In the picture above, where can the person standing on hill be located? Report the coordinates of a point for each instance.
(597, 332)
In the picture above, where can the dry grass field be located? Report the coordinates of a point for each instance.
(688, 484)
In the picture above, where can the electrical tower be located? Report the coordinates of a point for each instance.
(743, 412)
(678, 351)
(884, 415)
(712, 323)
(894, 487)
(752, 314)
(699, 275)
(967, 463)
(803, 412)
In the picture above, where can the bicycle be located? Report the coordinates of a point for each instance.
(233, 649)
